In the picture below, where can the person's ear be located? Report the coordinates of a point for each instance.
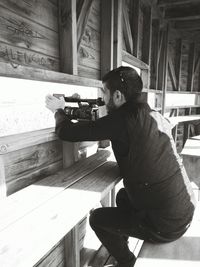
(118, 98)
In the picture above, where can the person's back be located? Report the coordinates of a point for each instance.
(154, 177)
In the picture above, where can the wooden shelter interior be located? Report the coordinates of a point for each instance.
(65, 47)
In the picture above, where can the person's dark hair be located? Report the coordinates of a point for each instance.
(126, 80)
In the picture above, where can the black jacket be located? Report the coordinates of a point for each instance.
(153, 175)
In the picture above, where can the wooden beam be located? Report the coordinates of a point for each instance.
(175, 3)
(82, 20)
(147, 34)
(183, 12)
(68, 36)
(29, 73)
(154, 53)
(117, 49)
(135, 14)
(197, 64)
(127, 30)
(178, 62)
(191, 66)
(187, 24)
(72, 249)
(163, 66)
(172, 74)
(107, 35)
(132, 60)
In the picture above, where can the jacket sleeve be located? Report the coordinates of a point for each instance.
(104, 128)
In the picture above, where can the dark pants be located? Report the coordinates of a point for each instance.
(113, 225)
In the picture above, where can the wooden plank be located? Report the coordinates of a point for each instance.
(54, 258)
(191, 65)
(178, 62)
(43, 12)
(83, 19)
(147, 35)
(54, 220)
(24, 72)
(183, 12)
(89, 57)
(117, 49)
(92, 38)
(187, 25)
(107, 36)
(2, 180)
(134, 14)
(132, 60)
(17, 56)
(68, 35)
(24, 167)
(127, 30)
(72, 249)
(109, 174)
(90, 73)
(172, 74)
(165, 64)
(8, 143)
(176, 2)
(13, 208)
(23, 33)
(154, 53)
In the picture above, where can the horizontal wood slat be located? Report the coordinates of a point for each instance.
(14, 208)
(46, 75)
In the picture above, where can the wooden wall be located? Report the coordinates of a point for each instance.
(29, 33)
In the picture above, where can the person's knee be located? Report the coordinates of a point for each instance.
(95, 217)
(122, 198)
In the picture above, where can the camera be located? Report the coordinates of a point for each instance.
(86, 109)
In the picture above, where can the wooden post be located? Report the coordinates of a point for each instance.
(164, 67)
(2, 179)
(147, 35)
(146, 45)
(72, 249)
(68, 64)
(68, 36)
(107, 23)
(154, 53)
(135, 14)
(191, 66)
(117, 50)
(178, 62)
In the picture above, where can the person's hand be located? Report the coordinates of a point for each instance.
(53, 103)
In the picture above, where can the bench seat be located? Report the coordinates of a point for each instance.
(36, 218)
(183, 252)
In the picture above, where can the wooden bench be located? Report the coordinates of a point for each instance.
(34, 219)
(183, 252)
(191, 160)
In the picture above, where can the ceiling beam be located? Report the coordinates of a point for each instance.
(184, 12)
(187, 24)
(164, 3)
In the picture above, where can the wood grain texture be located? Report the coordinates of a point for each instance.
(26, 166)
(52, 223)
(43, 12)
(24, 72)
(24, 33)
(14, 207)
